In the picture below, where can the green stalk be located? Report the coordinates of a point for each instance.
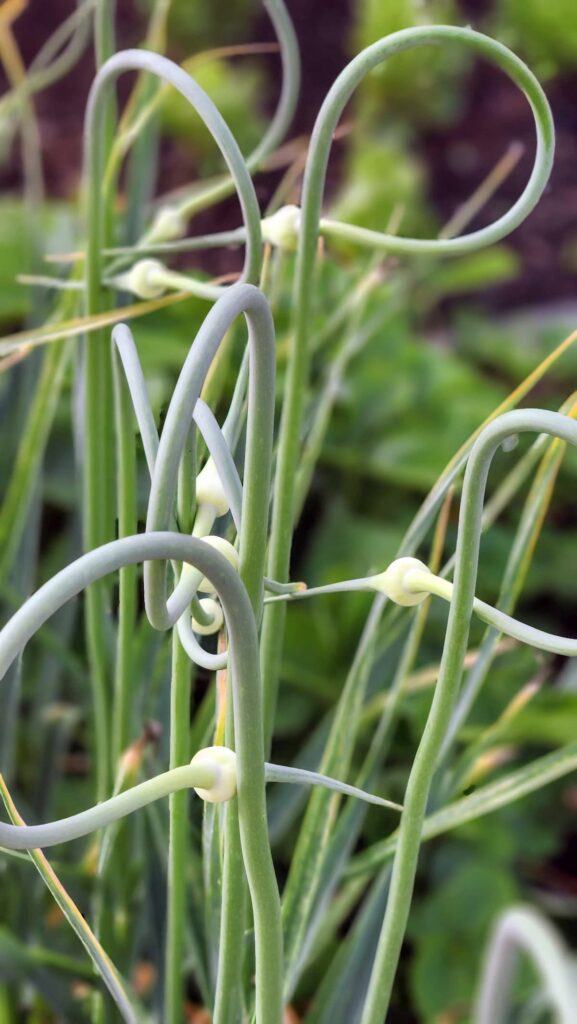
(228, 996)
(290, 58)
(244, 666)
(313, 189)
(454, 650)
(98, 514)
(104, 34)
(127, 525)
(42, 409)
(180, 689)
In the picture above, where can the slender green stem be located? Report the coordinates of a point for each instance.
(302, 777)
(178, 838)
(454, 650)
(313, 189)
(33, 440)
(98, 514)
(127, 524)
(33, 837)
(104, 33)
(233, 911)
(244, 660)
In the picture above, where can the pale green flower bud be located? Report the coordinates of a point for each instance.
(224, 760)
(394, 583)
(168, 225)
(213, 609)
(225, 548)
(144, 279)
(209, 489)
(282, 228)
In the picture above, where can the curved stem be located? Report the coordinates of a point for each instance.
(454, 649)
(523, 929)
(195, 651)
(220, 453)
(421, 582)
(290, 59)
(313, 189)
(244, 660)
(302, 777)
(141, 60)
(202, 414)
(35, 837)
(250, 301)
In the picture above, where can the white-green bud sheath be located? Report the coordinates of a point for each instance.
(168, 225)
(213, 610)
(209, 489)
(401, 581)
(223, 760)
(225, 548)
(144, 279)
(282, 228)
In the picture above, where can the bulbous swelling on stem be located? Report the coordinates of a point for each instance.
(211, 608)
(245, 676)
(224, 786)
(392, 581)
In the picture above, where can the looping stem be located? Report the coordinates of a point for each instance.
(245, 678)
(454, 650)
(310, 222)
(163, 612)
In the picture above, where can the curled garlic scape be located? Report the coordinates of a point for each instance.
(407, 581)
(212, 774)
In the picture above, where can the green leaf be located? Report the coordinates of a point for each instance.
(448, 930)
(483, 801)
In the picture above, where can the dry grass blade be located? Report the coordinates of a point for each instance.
(26, 341)
(97, 954)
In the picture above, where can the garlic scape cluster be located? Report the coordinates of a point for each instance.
(216, 543)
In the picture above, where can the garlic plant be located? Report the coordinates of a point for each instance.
(213, 544)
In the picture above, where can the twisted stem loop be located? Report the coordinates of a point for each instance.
(454, 650)
(245, 678)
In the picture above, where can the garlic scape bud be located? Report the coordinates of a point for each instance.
(281, 229)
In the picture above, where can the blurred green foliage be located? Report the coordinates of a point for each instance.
(234, 87)
(418, 87)
(545, 34)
